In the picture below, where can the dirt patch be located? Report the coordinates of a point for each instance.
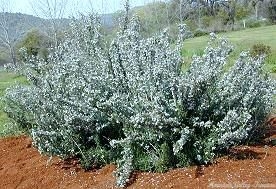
(21, 166)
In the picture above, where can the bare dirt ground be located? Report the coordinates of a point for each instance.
(21, 166)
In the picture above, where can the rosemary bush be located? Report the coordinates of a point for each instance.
(130, 102)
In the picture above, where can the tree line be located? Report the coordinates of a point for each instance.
(202, 16)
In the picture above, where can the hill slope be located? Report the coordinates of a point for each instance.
(18, 23)
(242, 40)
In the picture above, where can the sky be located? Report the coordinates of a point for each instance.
(74, 6)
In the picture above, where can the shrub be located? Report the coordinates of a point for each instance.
(260, 49)
(241, 12)
(129, 102)
(206, 21)
(253, 23)
(200, 32)
(19, 105)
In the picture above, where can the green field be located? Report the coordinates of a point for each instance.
(242, 40)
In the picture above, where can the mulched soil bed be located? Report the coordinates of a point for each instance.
(21, 166)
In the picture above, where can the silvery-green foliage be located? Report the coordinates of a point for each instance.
(68, 90)
(125, 165)
(20, 111)
(130, 101)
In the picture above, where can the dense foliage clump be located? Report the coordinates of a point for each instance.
(130, 101)
(260, 49)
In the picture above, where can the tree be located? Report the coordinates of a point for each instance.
(210, 5)
(256, 4)
(54, 11)
(153, 17)
(231, 11)
(181, 9)
(270, 7)
(3, 57)
(35, 43)
(5, 30)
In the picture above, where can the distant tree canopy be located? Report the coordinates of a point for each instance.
(207, 15)
(271, 10)
(36, 43)
(4, 58)
(153, 17)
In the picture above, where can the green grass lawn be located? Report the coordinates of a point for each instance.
(242, 40)
(6, 80)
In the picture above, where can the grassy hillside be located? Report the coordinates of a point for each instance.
(242, 40)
